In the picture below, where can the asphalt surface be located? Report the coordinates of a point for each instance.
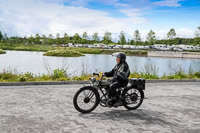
(170, 107)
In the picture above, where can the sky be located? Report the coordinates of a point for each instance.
(29, 17)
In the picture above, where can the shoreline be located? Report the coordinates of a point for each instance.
(87, 82)
(174, 54)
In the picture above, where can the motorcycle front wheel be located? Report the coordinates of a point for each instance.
(132, 98)
(86, 99)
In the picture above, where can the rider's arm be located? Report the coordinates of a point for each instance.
(109, 74)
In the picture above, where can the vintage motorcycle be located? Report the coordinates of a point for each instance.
(89, 97)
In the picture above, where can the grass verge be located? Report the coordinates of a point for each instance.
(61, 75)
(2, 51)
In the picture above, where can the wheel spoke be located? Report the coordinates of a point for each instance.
(133, 98)
(86, 100)
(91, 95)
(84, 93)
(92, 101)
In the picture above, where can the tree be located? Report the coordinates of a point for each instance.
(136, 37)
(25, 40)
(151, 37)
(95, 38)
(85, 35)
(84, 38)
(58, 41)
(66, 38)
(31, 39)
(1, 36)
(50, 39)
(197, 41)
(44, 39)
(107, 37)
(132, 42)
(37, 39)
(197, 36)
(122, 38)
(171, 34)
(76, 38)
(197, 32)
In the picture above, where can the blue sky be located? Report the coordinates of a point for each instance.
(28, 17)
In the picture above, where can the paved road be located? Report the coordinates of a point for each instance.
(170, 107)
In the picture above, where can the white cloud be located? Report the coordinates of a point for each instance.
(131, 12)
(25, 17)
(30, 17)
(185, 33)
(169, 3)
(182, 33)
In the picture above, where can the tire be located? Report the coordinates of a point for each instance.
(136, 97)
(89, 94)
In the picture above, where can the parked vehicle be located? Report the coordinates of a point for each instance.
(126, 46)
(187, 47)
(110, 46)
(104, 46)
(97, 45)
(118, 46)
(64, 45)
(162, 47)
(54, 45)
(132, 47)
(90, 46)
(89, 97)
(140, 47)
(71, 45)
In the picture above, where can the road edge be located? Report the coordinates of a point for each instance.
(86, 82)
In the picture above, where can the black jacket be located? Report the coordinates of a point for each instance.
(120, 73)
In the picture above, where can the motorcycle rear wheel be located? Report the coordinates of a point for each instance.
(132, 98)
(86, 99)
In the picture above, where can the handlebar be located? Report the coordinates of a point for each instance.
(96, 74)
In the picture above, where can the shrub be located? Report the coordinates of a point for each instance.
(63, 53)
(2, 51)
(59, 73)
(22, 78)
(197, 74)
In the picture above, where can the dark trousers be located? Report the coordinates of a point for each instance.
(112, 89)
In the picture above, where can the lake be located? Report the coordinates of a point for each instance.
(35, 62)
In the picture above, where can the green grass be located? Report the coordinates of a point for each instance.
(34, 48)
(63, 53)
(2, 51)
(22, 47)
(57, 75)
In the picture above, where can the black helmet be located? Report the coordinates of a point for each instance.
(120, 55)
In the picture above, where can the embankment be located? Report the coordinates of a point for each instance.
(170, 54)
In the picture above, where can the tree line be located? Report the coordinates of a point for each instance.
(106, 39)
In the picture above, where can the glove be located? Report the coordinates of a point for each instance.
(106, 74)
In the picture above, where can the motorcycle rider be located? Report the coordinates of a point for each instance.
(120, 74)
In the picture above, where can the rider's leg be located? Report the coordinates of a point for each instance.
(112, 89)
